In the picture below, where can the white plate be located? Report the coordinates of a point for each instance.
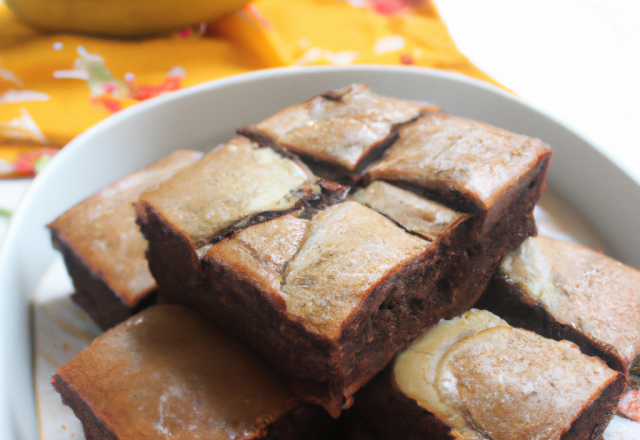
(202, 116)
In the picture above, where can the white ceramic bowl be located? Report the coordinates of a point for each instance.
(202, 116)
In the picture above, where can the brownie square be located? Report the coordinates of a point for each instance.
(475, 377)
(167, 372)
(339, 131)
(469, 165)
(300, 292)
(567, 291)
(103, 248)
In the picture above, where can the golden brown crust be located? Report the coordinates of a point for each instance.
(308, 275)
(491, 381)
(346, 128)
(259, 254)
(231, 183)
(570, 291)
(511, 383)
(102, 245)
(468, 165)
(101, 229)
(168, 372)
(412, 212)
(347, 252)
(393, 415)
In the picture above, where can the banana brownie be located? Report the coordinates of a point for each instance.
(102, 246)
(233, 186)
(469, 165)
(477, 378)
(567, 291)
(167, 372)
(338, 132)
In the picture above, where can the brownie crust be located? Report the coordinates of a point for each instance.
(474, 377)
(466, 165)
(566, 291)
(302, 421)
(339, 132)
(395, 415)
(508, 300)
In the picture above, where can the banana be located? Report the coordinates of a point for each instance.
(120, 18)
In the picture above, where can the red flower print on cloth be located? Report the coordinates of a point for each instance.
(391, 7)
(108, 91)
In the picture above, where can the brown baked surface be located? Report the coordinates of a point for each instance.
(102, 245)
(314, 288)
(327, 290)
(259, 253)
(231, 183)
(327, 282)
(564, 290)
(347, 252)
(346, 128)
(414, 213)
(480, 379)
(479, 167)
(232, 187)
(167, 372)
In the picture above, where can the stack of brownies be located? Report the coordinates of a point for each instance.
(329, 257)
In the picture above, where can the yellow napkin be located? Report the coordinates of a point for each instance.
(54, 86)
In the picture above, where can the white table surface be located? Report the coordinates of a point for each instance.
(578, 60)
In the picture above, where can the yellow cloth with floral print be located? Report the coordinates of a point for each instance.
(54, 86)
